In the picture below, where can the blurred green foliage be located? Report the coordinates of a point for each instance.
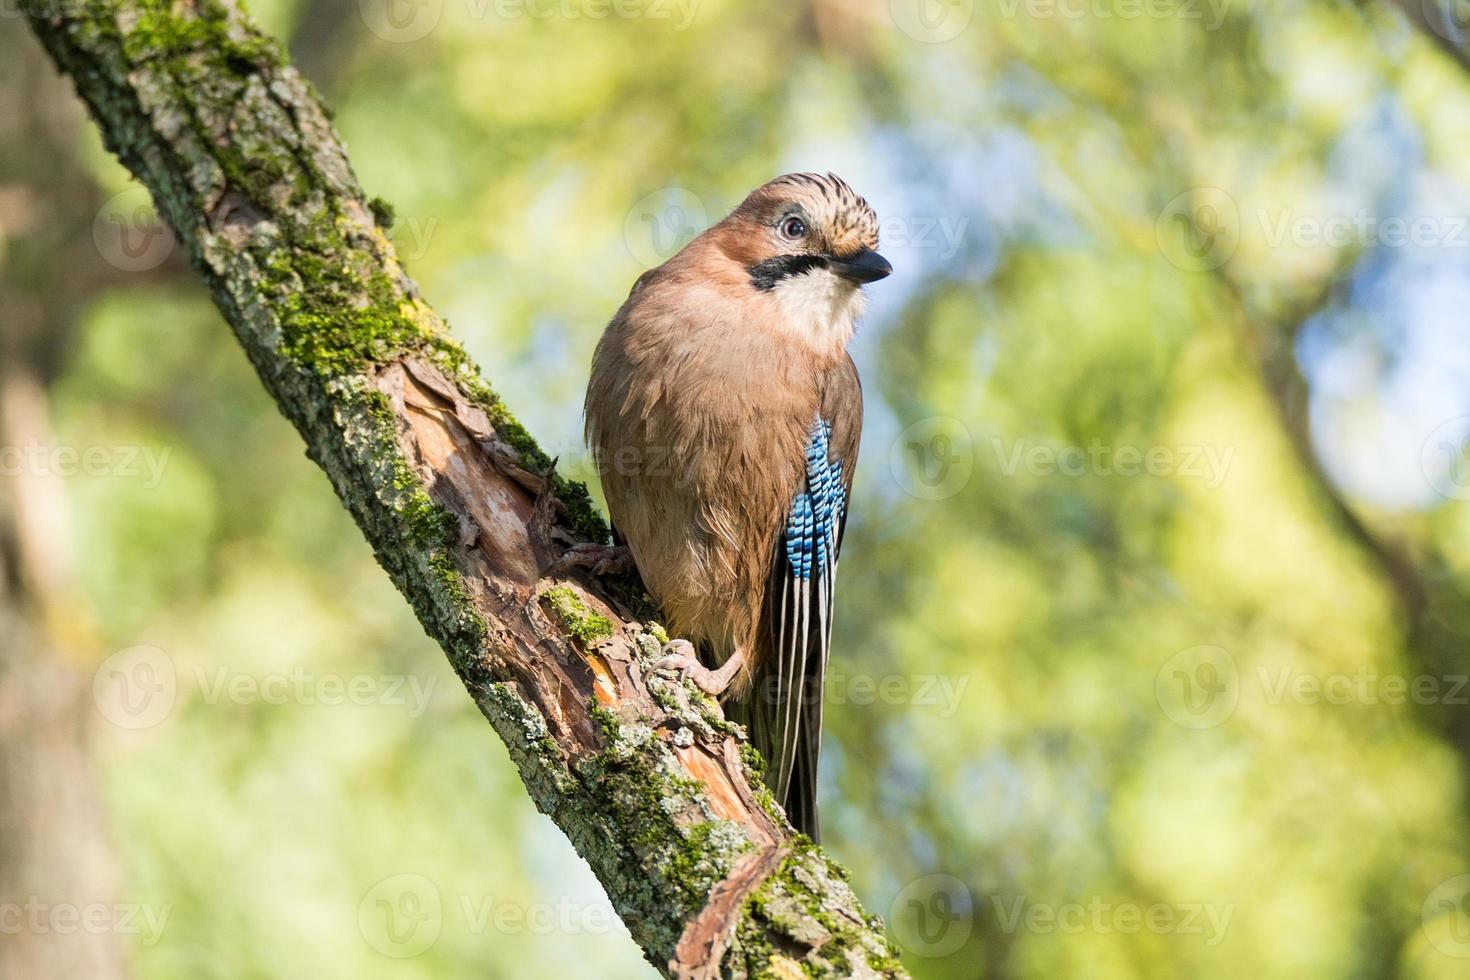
(1060, 741)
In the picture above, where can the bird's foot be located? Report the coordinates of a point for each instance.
(600, 559)
(679, 658)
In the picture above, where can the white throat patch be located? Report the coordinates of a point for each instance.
(820, 308)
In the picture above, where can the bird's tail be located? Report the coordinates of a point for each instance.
(763, 724)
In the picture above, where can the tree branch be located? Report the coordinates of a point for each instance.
(644, 776)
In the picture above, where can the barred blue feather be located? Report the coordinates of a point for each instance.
(801, 610)
(818, 509)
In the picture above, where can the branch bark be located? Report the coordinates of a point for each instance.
(658, 793)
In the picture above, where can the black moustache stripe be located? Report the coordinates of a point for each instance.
(766, 275)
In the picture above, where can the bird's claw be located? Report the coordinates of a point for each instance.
(680, 659)
(600, 559)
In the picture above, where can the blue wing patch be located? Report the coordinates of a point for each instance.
(802, 624)
(817, 510)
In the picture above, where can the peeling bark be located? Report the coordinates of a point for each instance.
(646, 778)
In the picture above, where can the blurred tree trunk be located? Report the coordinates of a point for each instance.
(55, 858)
(54, 847)
(644, 775)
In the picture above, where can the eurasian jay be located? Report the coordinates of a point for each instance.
(724, 414)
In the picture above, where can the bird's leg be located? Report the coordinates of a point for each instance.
(602, 559)
(679, 657)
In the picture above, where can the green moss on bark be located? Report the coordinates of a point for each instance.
(808, 900)
(584, 625)
(160, 31)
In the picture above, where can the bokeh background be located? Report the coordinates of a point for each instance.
(1154, 620)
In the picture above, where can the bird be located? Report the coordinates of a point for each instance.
(724, 415)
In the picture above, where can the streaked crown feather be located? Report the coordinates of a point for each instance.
(841, 215)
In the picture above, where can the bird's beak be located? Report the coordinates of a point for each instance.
(866, 266)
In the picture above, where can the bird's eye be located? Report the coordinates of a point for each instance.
(793, 228)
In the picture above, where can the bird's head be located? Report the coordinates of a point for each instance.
(807, 243)
(807, 225)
